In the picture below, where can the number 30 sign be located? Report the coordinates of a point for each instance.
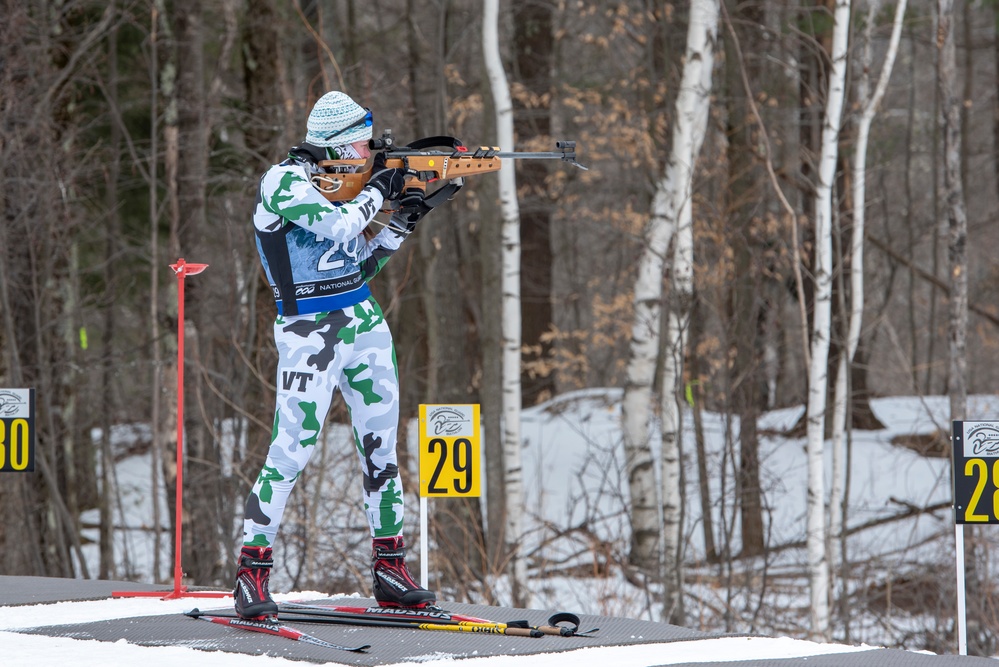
(976, 472)
(449, 451)
(17, 430)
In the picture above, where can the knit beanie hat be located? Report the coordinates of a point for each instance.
(335, 111)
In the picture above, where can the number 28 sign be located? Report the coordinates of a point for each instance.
(976, 472)
(450, 446)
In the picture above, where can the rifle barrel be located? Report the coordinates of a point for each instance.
(568, 156)
(533, 156)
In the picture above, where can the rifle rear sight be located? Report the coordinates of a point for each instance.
(385, 141)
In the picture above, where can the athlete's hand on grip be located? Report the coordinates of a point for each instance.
(390, 182)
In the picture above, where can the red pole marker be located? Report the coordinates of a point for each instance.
(182, 269)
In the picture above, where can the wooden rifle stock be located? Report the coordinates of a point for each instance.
(423, 165)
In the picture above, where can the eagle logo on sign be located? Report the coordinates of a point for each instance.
(10, 403)
(447, 422)
(984, 440)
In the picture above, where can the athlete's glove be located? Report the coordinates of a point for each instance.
(413, 206)
(389, 182)
(415, 203)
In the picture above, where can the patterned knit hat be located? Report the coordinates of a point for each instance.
(333, 112)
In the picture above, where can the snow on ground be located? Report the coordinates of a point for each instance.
(573, 474)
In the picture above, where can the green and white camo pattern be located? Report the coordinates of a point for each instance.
(350, 350)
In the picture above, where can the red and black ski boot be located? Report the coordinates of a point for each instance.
(253, 599)
(394, 586)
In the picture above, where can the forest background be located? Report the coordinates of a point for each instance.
(133, 133)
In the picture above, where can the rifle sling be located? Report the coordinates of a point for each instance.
(443, 193)
(432, 142)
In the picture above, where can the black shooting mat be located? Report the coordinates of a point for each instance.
(39, 590)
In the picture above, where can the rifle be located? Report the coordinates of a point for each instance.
(426, 160)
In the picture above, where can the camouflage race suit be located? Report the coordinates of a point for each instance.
(330, 334)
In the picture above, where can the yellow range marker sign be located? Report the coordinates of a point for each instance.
(17, 430)
(976, 472)
(450, 447)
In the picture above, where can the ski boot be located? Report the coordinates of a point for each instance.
(253, 599)
(393, 584)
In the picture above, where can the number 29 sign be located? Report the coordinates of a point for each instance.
(450, 446)
(976, 472)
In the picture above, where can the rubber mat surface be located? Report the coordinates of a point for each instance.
(39, 590)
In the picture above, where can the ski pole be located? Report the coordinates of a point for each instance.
(276, 629)
(348, 619)
(438, 616)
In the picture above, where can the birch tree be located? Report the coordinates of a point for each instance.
(670, 216)
(957, 219)
(957, 234)
(637, 398)
(869, 103)
(818, 565)
(692, 105)
(510, 284)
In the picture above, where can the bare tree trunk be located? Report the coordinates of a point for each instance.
(995, 82)
(533, 42)
(201, 478)
(154, 289)
(957, 221)
(818, 564)
(491, 340)
(167, 433)
(458, 527)
(692, 106)
(869, 104)
(107, 556)
(838, 498)
(697, 409)
(636, 403)
(957, 224)
(745, 300)
(187, 134)
(513, 475)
